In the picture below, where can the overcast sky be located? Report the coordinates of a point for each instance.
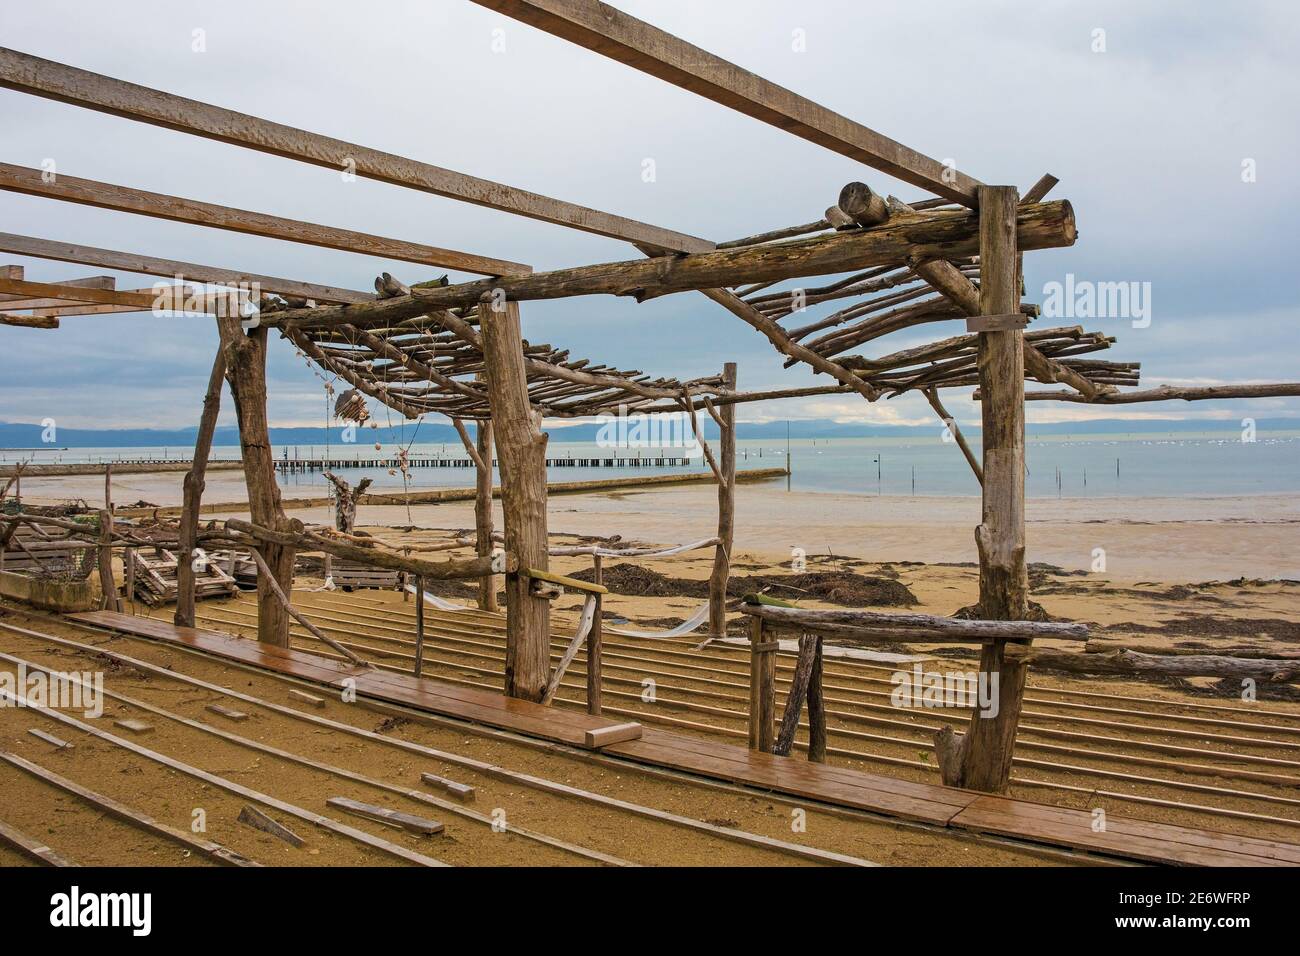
(1148, 138)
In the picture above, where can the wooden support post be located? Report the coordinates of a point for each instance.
(487, 594)
(593, 643)
(726, 416)
(762, 686)
(521, 453)
(246, 373)
(128, 572)
(800, 683)
(108, 487)
(112, 601)
(192, 493)
(981, 760)
(816, 707)
(419, 625)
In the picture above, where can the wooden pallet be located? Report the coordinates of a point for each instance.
(878, 793)
(353, 574)
(238, 564)
(156, 584)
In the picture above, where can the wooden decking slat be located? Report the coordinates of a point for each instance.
(945, 806)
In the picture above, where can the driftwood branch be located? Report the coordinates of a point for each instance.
(293, 612)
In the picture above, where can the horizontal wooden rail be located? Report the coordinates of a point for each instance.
(500, 563)
(875, 626)
(564, 581)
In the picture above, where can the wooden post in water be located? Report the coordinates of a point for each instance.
(192, 493)
(246, 372)
(981, 758)
(726, 416)
(521, 454)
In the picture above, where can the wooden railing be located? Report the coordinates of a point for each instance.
(549, 585)
(769, 617)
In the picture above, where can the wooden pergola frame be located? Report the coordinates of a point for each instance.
(457, 348)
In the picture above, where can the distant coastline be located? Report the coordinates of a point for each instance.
(18, 437)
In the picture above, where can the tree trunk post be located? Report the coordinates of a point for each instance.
(521, 454)
(246, 373)
(983, 756)
(726, 511)
(192, 493)
(111, 602)
(487, 594)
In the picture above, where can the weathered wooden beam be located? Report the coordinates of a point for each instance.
(68, 84)
(9, 300)
(21, 179)
(171, 268)
(1125, 661)
(612, 33)
(919, 236)
(875, 625)
(29, 321)
(72, 294)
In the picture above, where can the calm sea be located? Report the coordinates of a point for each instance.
(1129, 465)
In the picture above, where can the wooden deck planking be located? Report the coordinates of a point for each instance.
(1139, 839)
(930, 803)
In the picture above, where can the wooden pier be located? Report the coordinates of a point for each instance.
(288, 465)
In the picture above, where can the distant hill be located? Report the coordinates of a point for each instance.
(14, 435)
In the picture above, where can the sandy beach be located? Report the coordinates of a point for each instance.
(1169, 539)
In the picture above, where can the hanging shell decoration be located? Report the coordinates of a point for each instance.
(351, 406)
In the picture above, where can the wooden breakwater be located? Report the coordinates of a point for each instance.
(436, 495)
